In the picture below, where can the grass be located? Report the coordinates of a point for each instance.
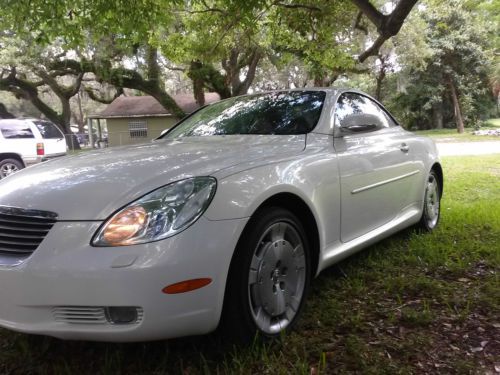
(451, 135)
(414, 303)
(493, 123)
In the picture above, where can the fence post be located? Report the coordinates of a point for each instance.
(91, 133)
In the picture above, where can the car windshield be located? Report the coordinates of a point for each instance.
(48, 130)
(291, 112)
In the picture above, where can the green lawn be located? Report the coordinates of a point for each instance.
(492, 123)
(451, 135)
(414, 303)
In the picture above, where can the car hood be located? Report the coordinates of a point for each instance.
(94, 184)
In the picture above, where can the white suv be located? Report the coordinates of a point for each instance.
(28, 141)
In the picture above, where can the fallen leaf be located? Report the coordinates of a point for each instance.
(476, 350)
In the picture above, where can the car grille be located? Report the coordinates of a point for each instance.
(79, 315)
(87, 315)
(22, 231)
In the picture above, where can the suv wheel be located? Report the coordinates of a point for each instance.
(9, 166)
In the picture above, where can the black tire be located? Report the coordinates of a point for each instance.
(431, 211)
(9, 166)
(248, 291)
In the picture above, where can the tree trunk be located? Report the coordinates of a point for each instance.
(378, 90)
(242, 87)
(437, 115)
(4, 113)
(319, 81)
(194, 74)
(456, 106)
(80, 117)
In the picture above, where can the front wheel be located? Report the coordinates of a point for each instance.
(269, 276)
(432, 203)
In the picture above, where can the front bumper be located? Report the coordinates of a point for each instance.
(65, 271)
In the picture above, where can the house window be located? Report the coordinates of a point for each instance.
(138, 129)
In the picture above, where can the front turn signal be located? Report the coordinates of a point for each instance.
(186, 286)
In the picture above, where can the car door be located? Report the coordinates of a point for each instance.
(53, 139)
(375, 170)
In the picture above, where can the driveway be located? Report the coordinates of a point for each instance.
(468, 148)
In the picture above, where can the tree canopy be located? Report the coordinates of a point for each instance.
(100, 49)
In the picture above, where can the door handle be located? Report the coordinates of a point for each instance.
(404, 147)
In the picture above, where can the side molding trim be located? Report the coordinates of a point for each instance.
(377, 184)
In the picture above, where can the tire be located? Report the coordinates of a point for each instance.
(9, 166)
(269, 277)
(431, 211)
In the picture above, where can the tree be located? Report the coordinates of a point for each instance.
(220, 43)
(103, 35)
(452, 78)
(24, 73)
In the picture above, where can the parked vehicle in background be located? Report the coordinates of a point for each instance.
(28, 141)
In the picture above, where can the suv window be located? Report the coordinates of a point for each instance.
(355, 109)
(48, 130)
(15, 129)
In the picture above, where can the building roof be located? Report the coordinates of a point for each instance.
(147, 106)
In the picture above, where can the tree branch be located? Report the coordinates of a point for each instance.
(92, 95)
(370, 12)
(373, 50)
(25, 90)
(122, 77)
(387, 25)
(298, 6)
(357, 23)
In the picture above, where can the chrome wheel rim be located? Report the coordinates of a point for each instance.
(277, 278)
(432, 202)
(7, 169)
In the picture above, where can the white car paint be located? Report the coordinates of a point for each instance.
(359, 188)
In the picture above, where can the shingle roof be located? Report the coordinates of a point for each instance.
(147, 106)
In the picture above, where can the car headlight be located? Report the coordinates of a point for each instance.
(159, 214)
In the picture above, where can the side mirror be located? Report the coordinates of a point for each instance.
(359, 128)
(358, 123)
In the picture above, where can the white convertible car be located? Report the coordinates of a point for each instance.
(223, 220)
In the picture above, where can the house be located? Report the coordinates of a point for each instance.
(137, 119)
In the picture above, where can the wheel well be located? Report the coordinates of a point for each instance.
(439, 171)
(10, 155)
(299, 208)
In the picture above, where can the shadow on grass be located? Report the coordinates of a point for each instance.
(22, 353)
